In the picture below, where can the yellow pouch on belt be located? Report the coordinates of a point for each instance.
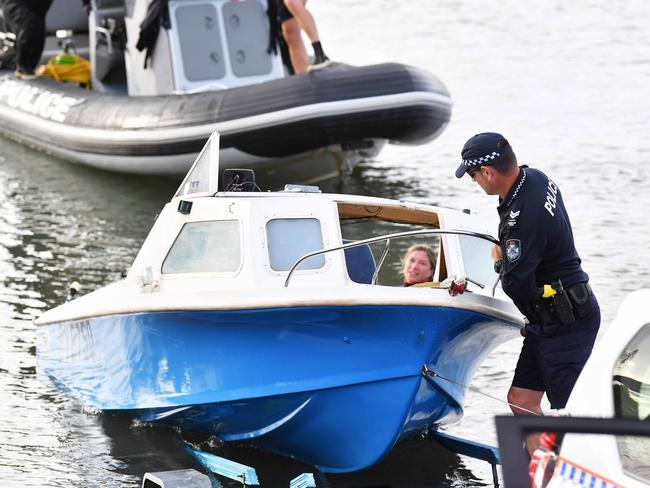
(548, 291)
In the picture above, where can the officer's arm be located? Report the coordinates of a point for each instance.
(497, 254)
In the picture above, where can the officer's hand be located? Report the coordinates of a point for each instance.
(497, 255)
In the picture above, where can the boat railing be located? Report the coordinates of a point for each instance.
(387, 238)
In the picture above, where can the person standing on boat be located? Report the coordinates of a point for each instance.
(294, 18)
(26, 19)
(540, 271)
(418, 265)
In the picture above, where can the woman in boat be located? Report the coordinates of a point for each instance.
(418, 265)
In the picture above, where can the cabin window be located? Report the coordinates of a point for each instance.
(289, 239)
(477, 259)
(631, 384)
(205, 247)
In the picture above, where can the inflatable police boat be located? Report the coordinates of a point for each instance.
(165, 74)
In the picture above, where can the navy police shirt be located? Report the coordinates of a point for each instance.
(536, 238)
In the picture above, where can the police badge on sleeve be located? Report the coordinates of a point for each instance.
(513, 249)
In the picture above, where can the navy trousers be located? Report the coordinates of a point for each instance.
(26, 19)
(552, 363)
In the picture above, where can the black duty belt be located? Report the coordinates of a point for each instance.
(580, 296)
(563, 308)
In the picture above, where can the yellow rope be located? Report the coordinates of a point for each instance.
(78, 72)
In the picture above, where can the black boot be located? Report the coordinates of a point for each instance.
(319, 54)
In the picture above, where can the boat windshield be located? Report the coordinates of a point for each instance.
(205, 247)
(477, 259)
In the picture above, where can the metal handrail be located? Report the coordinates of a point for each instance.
(397, 235)
(375, 275)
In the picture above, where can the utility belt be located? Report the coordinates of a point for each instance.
(557, 306)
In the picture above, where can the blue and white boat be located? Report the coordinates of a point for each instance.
(246, 315)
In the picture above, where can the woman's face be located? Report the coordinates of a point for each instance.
(417, 268)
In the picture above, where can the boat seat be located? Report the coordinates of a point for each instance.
(107, 30)
(64, 14)
(360, 263)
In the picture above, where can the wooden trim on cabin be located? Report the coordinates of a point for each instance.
(442, 272)
(389, 213)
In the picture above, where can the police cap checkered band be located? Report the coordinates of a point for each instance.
(482, 159)
(482, 149)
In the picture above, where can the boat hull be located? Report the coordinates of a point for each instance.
(346, 109)
(335, 387)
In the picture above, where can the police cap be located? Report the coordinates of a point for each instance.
(481, 150)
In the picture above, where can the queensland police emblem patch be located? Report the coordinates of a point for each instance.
(513, 249)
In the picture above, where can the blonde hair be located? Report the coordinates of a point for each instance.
(419, 247)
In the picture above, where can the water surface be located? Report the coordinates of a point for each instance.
(568, 84)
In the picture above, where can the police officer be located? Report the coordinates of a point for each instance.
(540, 271)
(26, 19)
